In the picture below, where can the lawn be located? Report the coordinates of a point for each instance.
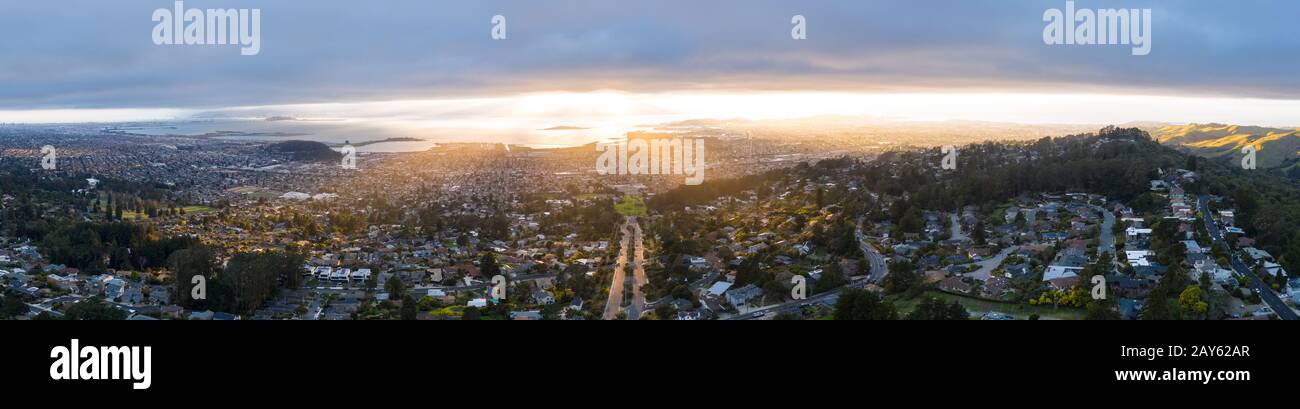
(631, 206)
(978, 307)
(133, 215)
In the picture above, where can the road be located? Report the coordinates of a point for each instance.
(988, 265)
(41, 308)
(615, 301)
(1107, 239)
(828, 298)
(878, 266)
(956, 234)
(1274, 302)
(638, 271)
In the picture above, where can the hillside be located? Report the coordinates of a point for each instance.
(307, 151)
(1278, 147)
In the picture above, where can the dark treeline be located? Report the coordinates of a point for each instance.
(50, 211)
(1267, 205)
(710, 190)
(94, 247)
(1114, 162)
(39, 203)
(245, 283)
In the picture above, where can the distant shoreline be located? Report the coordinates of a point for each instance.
(398, 139)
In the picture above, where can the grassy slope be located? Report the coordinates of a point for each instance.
(1275, 145)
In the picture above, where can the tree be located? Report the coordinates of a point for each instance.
(859, 304)
(910, 222)
(1157, 308)
(488, 265)
(251, 278)
(665, 311)
(902, 277)
(12, 307)
(832, 277)
(95, 309)
(395, 287)
(1101, 310)
(552, 312)
(471, 313)
(408, 308)
(187, 263)
(1190, 303)
(932, 308)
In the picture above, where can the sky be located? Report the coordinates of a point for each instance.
(576, 61)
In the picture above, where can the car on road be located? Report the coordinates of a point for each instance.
(758, 314)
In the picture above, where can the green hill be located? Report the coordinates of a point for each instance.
(1277, 147)
(306, 151)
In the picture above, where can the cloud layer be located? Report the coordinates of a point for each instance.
(95, 54)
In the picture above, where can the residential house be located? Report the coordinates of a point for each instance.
(717, 289)
(741, 296)
(955, 285)
(543, 297)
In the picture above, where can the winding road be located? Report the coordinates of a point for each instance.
(878, 266)
(1274, 302)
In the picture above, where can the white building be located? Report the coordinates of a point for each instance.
(718, 288)
(1056, 271)
(1138, 258)
(1257, 254)
(340, 274)
(1274, 269)
(360, 275)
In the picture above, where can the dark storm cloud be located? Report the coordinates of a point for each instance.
(93, 54)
